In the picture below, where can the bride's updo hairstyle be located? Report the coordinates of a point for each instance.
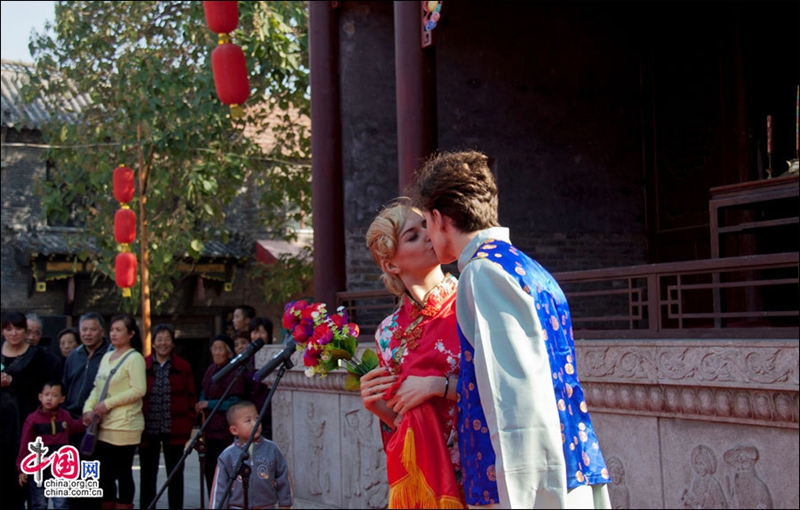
(382, 236)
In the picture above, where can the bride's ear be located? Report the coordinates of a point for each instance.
(389, 267)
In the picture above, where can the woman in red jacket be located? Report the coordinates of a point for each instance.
(169, 415)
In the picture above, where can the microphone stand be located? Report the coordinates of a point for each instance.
(200, 449)
(240, 468)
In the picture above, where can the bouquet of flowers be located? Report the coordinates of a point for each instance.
(328, 341)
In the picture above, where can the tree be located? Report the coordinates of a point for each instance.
(146, 66)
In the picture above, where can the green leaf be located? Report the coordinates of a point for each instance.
(352, 382)
(337, 354)
(370, 359)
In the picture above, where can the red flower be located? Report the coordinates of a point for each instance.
(309, 359)
(302, 332)
(353, 329)
(322, 334)
(339, 319)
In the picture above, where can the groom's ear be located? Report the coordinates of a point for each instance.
(437, 220)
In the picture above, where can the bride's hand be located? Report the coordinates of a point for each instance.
(414, 391)
(374, 384)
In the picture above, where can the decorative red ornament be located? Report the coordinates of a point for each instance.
(125, 270)
(124, 187)
(125, 226)
(230, 74)
(222, 17)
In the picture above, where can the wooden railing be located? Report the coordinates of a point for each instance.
(738, 297)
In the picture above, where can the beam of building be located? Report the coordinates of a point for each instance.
(326, 153)
(415, 75)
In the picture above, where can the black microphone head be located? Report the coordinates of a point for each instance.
(258, 344)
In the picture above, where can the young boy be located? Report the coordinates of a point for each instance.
(53, 425)
(270, 483)
(525, 435)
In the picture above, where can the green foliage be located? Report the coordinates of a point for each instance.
(146, 66)
(286, 278)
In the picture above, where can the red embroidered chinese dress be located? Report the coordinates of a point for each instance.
(422, 456)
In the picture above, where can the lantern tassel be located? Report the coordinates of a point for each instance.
(237, 112)
(126, 292)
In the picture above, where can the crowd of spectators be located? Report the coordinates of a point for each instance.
(150, 404)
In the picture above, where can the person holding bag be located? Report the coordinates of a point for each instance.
(119, 411)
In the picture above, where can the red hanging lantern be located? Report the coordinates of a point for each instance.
(222, 17)
(124, 186)
(230, 74)
(125, 271)
(125, 226)
(227, 59)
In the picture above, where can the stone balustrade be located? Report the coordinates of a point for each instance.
(682, 424)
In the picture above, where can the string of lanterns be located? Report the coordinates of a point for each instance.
(227, 60)
(125, 264)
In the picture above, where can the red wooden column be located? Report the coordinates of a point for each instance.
(415, 74)
(326, 153)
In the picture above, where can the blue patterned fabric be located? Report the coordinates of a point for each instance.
(475, 445)
(584, 460)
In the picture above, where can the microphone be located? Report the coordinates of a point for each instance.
(272, 364)
(239, 360)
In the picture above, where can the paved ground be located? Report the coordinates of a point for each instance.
(191, 484)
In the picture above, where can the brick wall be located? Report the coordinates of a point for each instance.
(564, 132)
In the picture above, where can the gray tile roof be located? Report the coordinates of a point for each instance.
(17, 113)
(71, 243)
(52, 243)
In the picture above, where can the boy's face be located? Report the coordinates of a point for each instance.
(438, 236)
(242, 426)
(51, 398)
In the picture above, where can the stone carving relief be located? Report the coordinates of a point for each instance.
(771, 408)
(282, 421)
(720, 364)
(628, 363)
(746, 489)
(319, 481)
(366, 479)
(617, 490)
(705, 491)
(723, 364)
(742, 490)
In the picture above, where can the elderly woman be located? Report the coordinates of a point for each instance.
(168, 415)
(68, 341)
(120, 411)
(217, 435)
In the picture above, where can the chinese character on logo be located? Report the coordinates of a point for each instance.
(35, 463)
(64, 463)
(90, 469)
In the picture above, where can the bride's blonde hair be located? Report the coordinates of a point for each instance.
(382, 236)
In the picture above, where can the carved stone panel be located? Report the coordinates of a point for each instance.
(728, 466)
(317, 447)
(630, 448)
(364, 482)
(765, 365)
(282, 416)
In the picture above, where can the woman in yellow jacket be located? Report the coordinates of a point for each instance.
(122, 421)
